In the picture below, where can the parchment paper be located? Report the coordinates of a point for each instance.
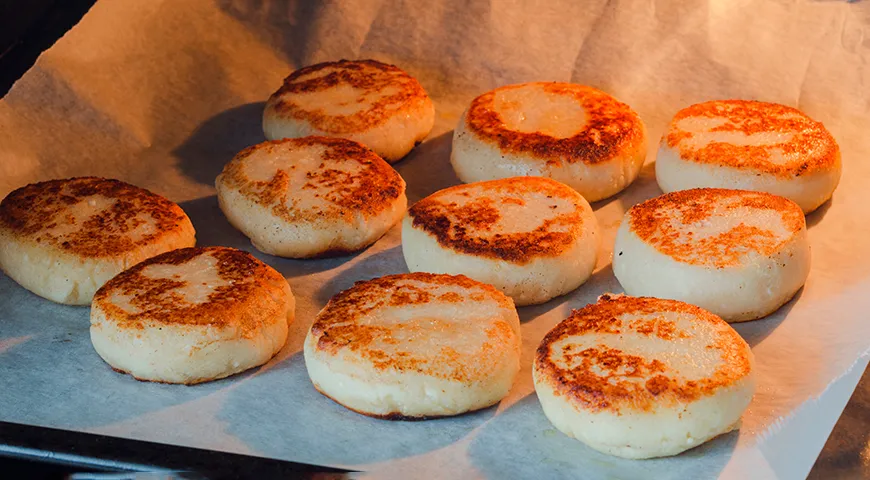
(162, 94)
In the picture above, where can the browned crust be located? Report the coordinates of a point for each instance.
(367, 75)
(613, 392)
(648, 220)
(369, 192)
(195, 381)
(334, 252)
(134, 377)
(463, 227)
(256, 294)
(396, 416)
(611, 128)
(341, 324)
(30, 211)
(750, 117)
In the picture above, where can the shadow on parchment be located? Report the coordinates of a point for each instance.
(302, 423)
(818, 214)
(389, 260)
(427, 168)
(212, 228)
(66, 384)
(300, 267)
(214, 143)
(642, 188)
(602, 281)
(306, 424)
(755, 331)
(503, 446)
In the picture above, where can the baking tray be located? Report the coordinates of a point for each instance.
(162, 94)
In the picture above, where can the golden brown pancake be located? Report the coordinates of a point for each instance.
(368, 101)
(192, 315)
(533, 238)
(610, 378)
(62, 239)
(415, 346)
(311, 197)
(750, 145)
(575, 134)
(807, 145)
(670, 222)
(643, 377)
(737, 253)
(472, 218)
(610, 125)
(47, 213)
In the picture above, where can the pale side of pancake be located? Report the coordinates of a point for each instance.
(533, 238)
(577, 135)
(374, 103)
(415, 346)
(62, 239)
(192, 315)
(750, 145)
(643, 377)
(311, 197)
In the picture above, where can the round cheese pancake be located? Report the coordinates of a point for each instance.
(311, 197)
(415, 346)
(577, 135)
(63, 239)
(192, 315)
(738, 254)
(643, 377)
(747, 145)
(531, 237)
(376, 104)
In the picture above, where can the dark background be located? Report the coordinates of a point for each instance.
(27, 27)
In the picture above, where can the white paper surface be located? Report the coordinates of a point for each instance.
(161, 94)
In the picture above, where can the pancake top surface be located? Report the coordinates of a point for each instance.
(212, 286)
(716, 227)
(627, 354)
(89, 216)
(759, 136)
(348, 96)
(514, 219)
(314, 179)
(555, 122)
(436, 325)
